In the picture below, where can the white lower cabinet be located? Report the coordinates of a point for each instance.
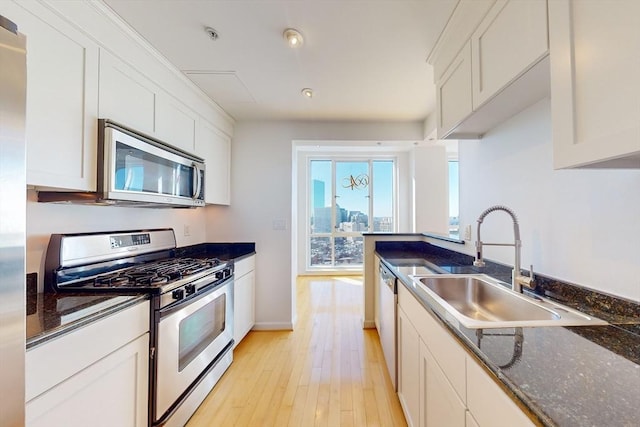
(93, 376)
(243, 298)
(409, 365)
(439, 384)
(442, 405)
(489, 405)
(471, 422)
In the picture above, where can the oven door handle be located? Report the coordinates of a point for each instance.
(183, 303)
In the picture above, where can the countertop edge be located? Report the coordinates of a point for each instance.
(83, 321)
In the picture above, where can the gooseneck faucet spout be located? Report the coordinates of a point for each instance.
(517, 280)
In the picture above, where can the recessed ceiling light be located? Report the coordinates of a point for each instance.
(293, 37)
(213, 34)
(307, 92)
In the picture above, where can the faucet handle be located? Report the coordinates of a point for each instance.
(530, 281)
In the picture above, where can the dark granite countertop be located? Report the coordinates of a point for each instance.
(223, 251)
(52, 315)
(565, 376)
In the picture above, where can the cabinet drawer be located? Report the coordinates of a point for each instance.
(58, 359)
(244, 266)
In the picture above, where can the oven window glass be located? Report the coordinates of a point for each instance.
(200, 329)
(137, 170)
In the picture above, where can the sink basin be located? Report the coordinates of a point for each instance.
(479, 301)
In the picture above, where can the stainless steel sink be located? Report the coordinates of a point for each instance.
(479, 301)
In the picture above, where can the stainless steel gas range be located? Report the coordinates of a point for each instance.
(191, 318)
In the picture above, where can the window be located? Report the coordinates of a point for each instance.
(454, 199)
(347, 198)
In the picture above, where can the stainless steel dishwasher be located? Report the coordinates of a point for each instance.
(388, 298)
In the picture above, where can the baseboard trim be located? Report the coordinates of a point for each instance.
(273, 326)
(368, 324)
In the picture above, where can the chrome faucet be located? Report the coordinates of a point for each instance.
(517, 280)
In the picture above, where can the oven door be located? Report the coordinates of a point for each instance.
(190, 336)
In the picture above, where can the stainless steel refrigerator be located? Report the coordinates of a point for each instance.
(13, 82)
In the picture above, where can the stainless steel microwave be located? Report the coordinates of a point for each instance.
(137, 170)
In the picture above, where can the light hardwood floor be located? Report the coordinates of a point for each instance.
(327, 372)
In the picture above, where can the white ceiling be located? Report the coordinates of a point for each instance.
(364, 59)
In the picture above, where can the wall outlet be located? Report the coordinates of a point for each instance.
(467, 232)
(187, 230)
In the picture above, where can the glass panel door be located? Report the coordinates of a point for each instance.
(342, 203)
(352, 207)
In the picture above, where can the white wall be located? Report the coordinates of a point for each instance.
(43, 219)
(261, 193)
(430, 175)
(581, 226)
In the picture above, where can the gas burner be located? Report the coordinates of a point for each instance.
(112, 280)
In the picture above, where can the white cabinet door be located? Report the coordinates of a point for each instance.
(454, 93)
(408, 369)
(489, 405)
(97, 373)
(175, 123)
(111, 392)
(126, 96)
(511, 38)
(500, 70)
(215, 148)
(441, 406)
(471, 422)
(62, 99)
(243, 298)
(595, 107)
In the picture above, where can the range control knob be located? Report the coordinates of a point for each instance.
(220, 275)
(178, 294)
(190, 289)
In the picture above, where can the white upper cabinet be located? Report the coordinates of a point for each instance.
(82, 65)
(214, 147)
(511, 38)
(489, 64)
(62, 98)
(126, 96)
(595, 66)
(454, 92)
(175, 123)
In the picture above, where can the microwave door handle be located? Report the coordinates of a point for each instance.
(197, 181)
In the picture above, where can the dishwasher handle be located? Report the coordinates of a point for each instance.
(388, 279)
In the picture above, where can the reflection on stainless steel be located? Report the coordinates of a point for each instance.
(13, 81)
(518, 339)
(478, 301)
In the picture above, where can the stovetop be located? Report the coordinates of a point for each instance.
(137, 261)
(153, 277)
(156, 274)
